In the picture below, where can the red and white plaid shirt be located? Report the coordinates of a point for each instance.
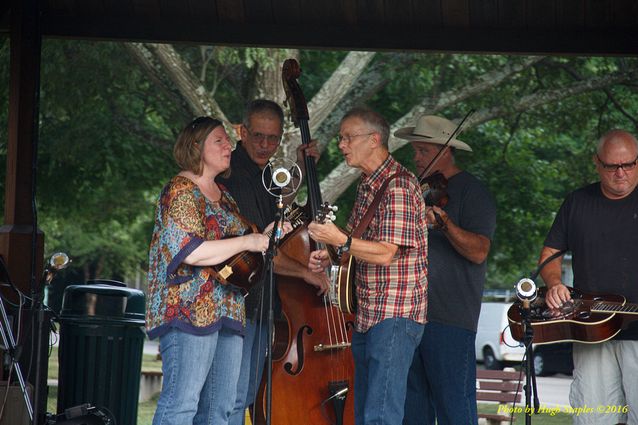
(399, 289)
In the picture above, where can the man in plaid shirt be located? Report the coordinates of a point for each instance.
(391, 270)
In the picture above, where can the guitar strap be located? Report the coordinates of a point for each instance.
(367, 218)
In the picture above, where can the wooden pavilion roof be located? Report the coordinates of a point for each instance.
(500, 26)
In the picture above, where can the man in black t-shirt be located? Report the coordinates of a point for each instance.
(261, 134)
(599, 225)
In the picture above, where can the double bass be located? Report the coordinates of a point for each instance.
(313, 368)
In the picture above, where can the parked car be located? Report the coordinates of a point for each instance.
(553, 358)
(496, 347)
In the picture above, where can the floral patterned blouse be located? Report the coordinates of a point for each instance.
(183, 296)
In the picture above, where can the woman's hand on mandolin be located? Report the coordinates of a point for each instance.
(256, 242)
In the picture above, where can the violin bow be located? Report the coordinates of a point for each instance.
(456, 132)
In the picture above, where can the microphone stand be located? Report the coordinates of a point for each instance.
(528, 338)
(275, 181)
(8, 341)
(271, 253)
(530, 373)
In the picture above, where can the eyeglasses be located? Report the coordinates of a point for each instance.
(348, 138)
(272, 139)
(612, 168)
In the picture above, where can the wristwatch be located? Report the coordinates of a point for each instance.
(345, 247)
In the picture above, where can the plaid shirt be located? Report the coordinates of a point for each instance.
(400, 289)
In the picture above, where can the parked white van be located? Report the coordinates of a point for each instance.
(495, 346)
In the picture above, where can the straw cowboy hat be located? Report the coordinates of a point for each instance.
(432, 129)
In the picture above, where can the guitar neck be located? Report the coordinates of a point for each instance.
(607, 307)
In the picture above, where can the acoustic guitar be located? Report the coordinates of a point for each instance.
(589, 318)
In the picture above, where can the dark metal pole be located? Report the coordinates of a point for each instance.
(271, 253)
(530, 374)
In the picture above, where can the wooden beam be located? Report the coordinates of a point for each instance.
(357, 37)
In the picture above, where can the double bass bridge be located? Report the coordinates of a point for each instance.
(327, 347)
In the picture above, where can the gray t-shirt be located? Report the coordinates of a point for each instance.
(455, 283)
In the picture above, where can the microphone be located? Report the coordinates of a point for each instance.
(58, 261)
(281, 177)
(526, 291)
(526, 288)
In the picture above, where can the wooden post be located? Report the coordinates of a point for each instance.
(16, 234)
(21, 243)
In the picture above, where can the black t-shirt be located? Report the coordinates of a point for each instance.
(602, 235)
(258, 206)
(455, 284)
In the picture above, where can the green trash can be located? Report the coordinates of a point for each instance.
(101, 342)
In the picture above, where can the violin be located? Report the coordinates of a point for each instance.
(434, 188)
(434, 185)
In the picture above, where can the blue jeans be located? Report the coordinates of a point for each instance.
(382, 357)
(442, 379)
(252, 366)
(200, 377)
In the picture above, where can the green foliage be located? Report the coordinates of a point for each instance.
(105, 144)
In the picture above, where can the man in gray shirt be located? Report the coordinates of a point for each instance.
(442, 378)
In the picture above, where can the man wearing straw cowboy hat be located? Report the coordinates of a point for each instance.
(462, 228)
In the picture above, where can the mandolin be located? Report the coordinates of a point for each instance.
(589, 318)
(244, 270)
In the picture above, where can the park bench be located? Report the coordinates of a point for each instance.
(503, 387)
